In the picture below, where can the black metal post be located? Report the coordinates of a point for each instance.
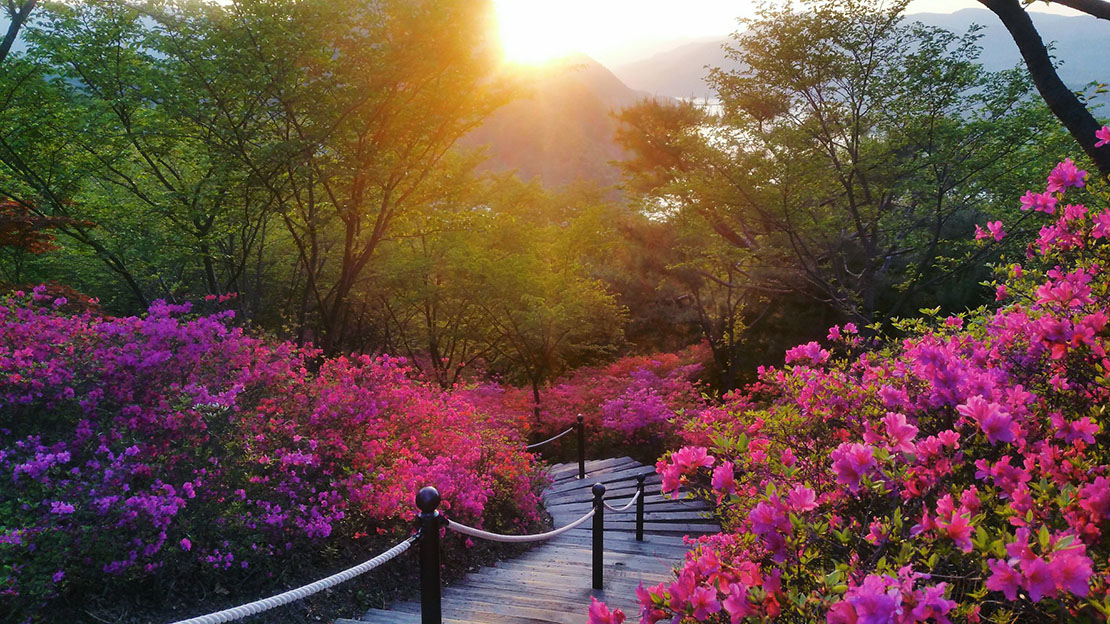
(599, 532)
(581, 447)
(427, 499)
(640, 507)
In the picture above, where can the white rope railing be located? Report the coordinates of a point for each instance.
(625, 508)
(265, 604)
(498, 537)
(551, 439)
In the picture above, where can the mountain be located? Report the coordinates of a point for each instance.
(679, 72)
(563, 131)
(1082, 43)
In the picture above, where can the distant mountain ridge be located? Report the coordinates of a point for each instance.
(563, 131)
(1081, 42)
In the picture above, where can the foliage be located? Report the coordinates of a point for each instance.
(959, 474)
(155, 448)
(500, 284)
(250, 147)
(848, 158)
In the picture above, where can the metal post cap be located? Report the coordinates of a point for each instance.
(427, 499)
(581, 418)
(598, 489)
(640, 477)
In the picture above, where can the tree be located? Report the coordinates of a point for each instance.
(24, 233)
(361, 102)
(268, 148)
(1065, 105)
(849, 160)
(503, 283)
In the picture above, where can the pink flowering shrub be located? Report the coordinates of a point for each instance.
(961, 474)
(169, 446)
(629, 404)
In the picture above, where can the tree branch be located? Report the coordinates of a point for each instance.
(1060, 100)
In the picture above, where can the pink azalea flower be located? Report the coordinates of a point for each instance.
(1101, 227)
(850, 462)
(1103, 136)
(692, 457)
(1064, 175)
(841, 613)
(811, 352)
(900, 432)
(1071, 572)
(737, 603)
(995, 423)
(681, 590)
(801, 498)
(724, 481)
(1074, 212)
(1039, 202)
(704, 602)
(876, 601)
(649, 613)
(600, 614)
(1095, 498)
(1003, 578)
(932, 605)
(959, 529)
(1039, 581)
(995, 228)
(788, 458)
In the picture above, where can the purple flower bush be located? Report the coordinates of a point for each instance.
(961, 474)
(172, 446)
(632, 403)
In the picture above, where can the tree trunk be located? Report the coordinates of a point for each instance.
(1060, 100)
(19, 17)
(536, 398)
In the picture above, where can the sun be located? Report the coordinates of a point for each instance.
(533, 32)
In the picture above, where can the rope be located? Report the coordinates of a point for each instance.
(497, 537)
(622, 509)
(265, 604)
(552, 439)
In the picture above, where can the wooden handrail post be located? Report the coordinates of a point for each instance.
(581, 447)
(640, 507)
(429, 520)
(599, 533)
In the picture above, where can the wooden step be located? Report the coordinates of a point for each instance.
(551, 583)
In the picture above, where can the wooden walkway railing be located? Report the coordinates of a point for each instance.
(553, 582)
(547, 584)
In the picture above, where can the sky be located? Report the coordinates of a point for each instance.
(619, 31)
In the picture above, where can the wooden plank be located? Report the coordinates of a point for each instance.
(627, 474)
(575, 605)
(550, 584)
(654, 515)
(571, 468)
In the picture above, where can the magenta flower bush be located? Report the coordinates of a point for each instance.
(171, 446)
(961, 474)
(629, 404)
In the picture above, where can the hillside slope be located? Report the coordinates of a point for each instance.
(564, 130)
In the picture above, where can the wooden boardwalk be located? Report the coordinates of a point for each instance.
(551, 582)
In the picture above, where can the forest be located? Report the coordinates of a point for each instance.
(259, 283)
